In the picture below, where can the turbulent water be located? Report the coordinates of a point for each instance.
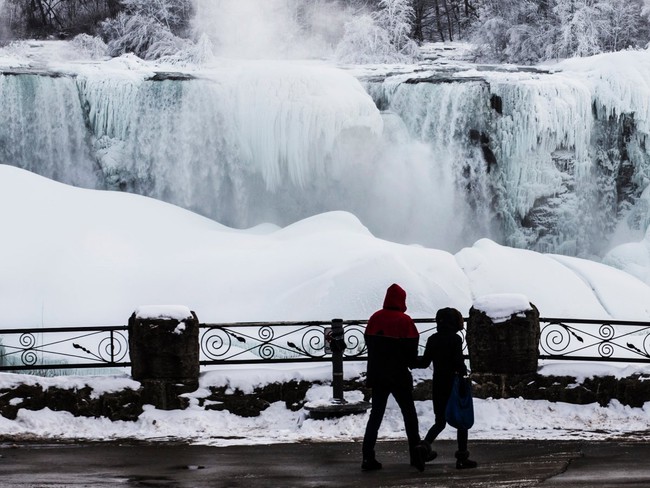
(537, 160)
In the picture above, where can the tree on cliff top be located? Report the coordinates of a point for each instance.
(150, 29)
(380, 37)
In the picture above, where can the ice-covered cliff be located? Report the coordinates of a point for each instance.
(553, 159)
(558, 157)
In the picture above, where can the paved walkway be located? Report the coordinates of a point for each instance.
(546, 464)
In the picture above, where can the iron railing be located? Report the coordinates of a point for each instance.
(595, 340)
(64, 348)
(83, 348)
(284, 342)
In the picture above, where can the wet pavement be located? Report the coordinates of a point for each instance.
(547, 464)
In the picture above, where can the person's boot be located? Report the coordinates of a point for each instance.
(431, 454)
(463, 461)
(419, 455)
(370, 465)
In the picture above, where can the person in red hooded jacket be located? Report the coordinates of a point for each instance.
(392, 341)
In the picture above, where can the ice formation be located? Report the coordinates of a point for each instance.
(559, 159)
(553, 160)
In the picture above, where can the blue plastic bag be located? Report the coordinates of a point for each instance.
(460, 408)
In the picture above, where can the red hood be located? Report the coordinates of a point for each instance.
(395, 298)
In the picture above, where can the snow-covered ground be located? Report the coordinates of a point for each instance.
(495, 419)
(74, 256)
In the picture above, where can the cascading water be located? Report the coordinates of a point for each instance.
(536, 149)
(42, 129)
(250, 143)
(547, 161)
(446, 117)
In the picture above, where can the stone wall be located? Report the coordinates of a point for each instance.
(127, 404)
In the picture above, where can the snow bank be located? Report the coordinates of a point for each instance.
(632, 257)
(85, 257)
(555, 285)
(494, 419)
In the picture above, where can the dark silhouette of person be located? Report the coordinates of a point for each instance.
(392, 341)
(445, 350)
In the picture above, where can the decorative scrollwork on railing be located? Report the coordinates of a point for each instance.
(605, 349)
(606, 332)
(257, 342)
(266, 333)
(111, 349)
(645, 351)
(216, 342)
(313, 342)
(555, 338)
(29, 357)
(114, 348)
(27, 340)
(266, 351)
(355, 343)
(593, 340)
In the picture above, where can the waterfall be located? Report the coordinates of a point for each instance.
(555, 162)
(249, 143)
(553, 159)
(42, 129)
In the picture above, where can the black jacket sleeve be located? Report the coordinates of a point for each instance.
(458, 360)
(425, 360)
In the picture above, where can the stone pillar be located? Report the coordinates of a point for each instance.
(505, 347)
(164, 350)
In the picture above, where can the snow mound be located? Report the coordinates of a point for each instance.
(84, 257)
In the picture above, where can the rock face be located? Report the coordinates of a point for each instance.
(125, 405)
(633, 390)
(510, 347)
(165, 358)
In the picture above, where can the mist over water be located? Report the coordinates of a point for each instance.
(391, 181)
(4, 23)
(271, 29)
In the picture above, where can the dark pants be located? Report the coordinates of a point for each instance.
(441, 394)
(404, 398)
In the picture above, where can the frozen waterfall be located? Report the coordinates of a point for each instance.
(558, 159)
(247, 143)
(42, 129)
(555, 161)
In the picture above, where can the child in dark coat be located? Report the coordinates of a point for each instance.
(445, 350)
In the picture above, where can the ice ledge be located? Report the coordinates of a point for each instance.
(50, 73)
